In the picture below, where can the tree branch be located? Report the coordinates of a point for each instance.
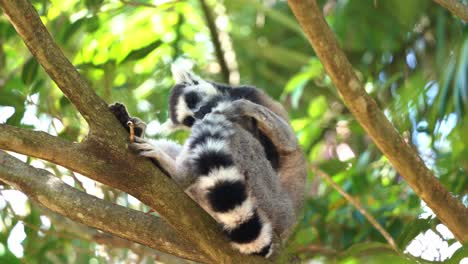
(141, 4)
(153, 188)
(356, 204)
(404, 158)
(36, 144)
(456, 7)
(216, 41)
(68, 229)
(47, 190)
(36, 37)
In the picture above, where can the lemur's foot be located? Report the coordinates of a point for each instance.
(120, 112)
(144, 148)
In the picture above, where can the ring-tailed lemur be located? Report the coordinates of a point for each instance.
(213, 168)
(267, 120)
(249, 185)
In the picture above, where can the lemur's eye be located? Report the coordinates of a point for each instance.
(188, 121)
(192, 99)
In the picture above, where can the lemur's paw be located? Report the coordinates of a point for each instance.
(120, 112)
(144, 148)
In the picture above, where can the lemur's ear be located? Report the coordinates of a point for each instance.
(182, 72)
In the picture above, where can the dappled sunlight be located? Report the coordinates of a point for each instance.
(409, 56)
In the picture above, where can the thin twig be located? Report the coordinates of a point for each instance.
(356, 204)
(215, 39)
(140, 4)
(131, 125)
(316, 249)
(456, 7)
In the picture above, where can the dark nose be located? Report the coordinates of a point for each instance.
(203, 111)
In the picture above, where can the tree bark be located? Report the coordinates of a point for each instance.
(456, 7)
(103, 155)
(403, 157)
(49, 191)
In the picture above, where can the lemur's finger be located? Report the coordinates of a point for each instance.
(150, 154)
(139, 147)
(140, 140)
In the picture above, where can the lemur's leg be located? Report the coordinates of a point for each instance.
(273, 126)
(120, 112)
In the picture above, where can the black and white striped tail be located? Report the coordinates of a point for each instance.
(224, 187)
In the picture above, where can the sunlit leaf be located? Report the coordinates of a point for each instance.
(413, 229)
(142, 52)
(29, 71)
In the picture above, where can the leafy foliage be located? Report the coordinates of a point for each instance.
(411, 55)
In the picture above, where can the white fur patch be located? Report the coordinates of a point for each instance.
(204, 128)
(222, 174)
(236, 216)
(203, 87)
(182, 73)
(221, 106)
(210, 144)
(262, 240)
(182, 110)
(216, 117)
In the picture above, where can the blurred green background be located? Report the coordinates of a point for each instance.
(411, 55)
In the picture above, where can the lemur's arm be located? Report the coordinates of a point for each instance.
(159, 153)
(163, 154)
(273, 126)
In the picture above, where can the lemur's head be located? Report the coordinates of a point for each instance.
(190, 99)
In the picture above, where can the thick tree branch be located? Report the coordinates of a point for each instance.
(135, 176)
(36, 37)
(36, 144)
(456, 7)
(405, 159)
(49, 191)
(68, 229)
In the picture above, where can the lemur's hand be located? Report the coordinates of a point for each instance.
(145, 148)
(120, 112)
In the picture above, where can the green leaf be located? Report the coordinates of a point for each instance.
(6, 256)
(74, 27)
(142, 52)
(29, 72)
(318, 107)
(412, 230)
(94, 4)
(445, 86)
(461, 81)
(372, 253)
(15, 119)
(460, 254)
